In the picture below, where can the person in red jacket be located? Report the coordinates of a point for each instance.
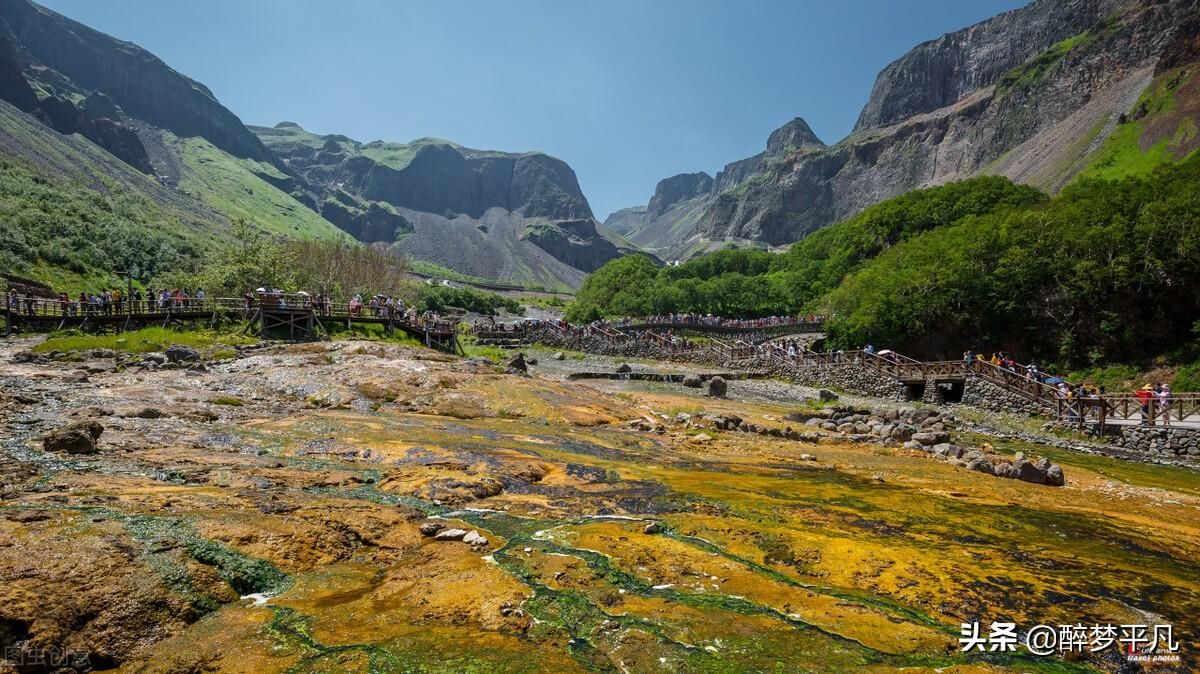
(1145, 396)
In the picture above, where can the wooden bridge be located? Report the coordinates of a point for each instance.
(291, 317)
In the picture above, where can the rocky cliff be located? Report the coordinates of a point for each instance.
(69, 58)
(1039, 94)
(373, 189)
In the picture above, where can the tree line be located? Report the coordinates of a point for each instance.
(1105, 271)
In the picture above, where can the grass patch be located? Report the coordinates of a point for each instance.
(142, 341)
(229, 401)
(1032, 71)
(1187, 380)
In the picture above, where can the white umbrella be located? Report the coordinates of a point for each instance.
(260, 290)
(301, 292)
(885, 352)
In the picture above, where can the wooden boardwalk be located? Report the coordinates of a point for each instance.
(747, 350)
(291, 317)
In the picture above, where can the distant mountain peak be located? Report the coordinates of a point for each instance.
(795, 134)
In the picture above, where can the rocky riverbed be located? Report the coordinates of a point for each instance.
(354, 506)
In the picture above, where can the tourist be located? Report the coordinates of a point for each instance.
(1164, 403)
(199, 298)
(1145, 397)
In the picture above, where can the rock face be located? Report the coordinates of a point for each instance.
(136, 80)
(1030, 94)
(678, 188)
(375, 190)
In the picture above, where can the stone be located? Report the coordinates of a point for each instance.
(431, 528)
(902, 433)
(177, 353)
(807, 457)
(931, 437)
(717, 387)
(826, 396)
(1029, 472)
(624, 368)
(1055, 476)
(149, 413)
(913, 444)
(652, 528)
(531, 361)
(980, 465)
(516, 365)
(154, 357)
(76, 438)
(450, 535)
(702, 438)
(103, 353)
(28, 357)
(77, 377)
(558, 355)
(475, 539)
(692, 381)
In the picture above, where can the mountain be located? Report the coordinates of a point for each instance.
(519, 218)
(84, 113)
(1040, 94)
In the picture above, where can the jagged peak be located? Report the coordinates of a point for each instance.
(795, 134)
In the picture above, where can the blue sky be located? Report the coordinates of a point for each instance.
(627, 92)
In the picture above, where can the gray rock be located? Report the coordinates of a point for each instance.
(980, 465)
(692, 381)
(1055, 476)
(558, 355)
(717, 387)
(902, 433)
(177, 353)
(1029, 472)
(652, 528)
(931, 437)
(474, 538)
(450, 535)
(826, 396)
(624, 368)
(154, 357)
(431, 528)
(149, 413)
(77, 438)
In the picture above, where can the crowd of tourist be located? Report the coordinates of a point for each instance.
(107, 302)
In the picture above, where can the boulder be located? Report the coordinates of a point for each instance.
(717, 387)
(624, 368)
(177, 353)
(516, 365)
(431, 528)
(77, 377)
(531, 361)
(474, 538)
(450, 535)
(931, 437)
(154, 357)
(103, 353)
(77, 438)
(27, 357)
(1054, 476)
(149, 413)
(1029, 472)
(980, 465)
(692, 381)
(558, 355)
(652, 528)
(902, 433)
(826, 396)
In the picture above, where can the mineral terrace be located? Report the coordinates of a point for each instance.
(353, 506)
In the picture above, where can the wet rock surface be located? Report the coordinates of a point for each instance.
(330, 506)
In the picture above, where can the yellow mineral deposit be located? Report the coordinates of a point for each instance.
(311, 526)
